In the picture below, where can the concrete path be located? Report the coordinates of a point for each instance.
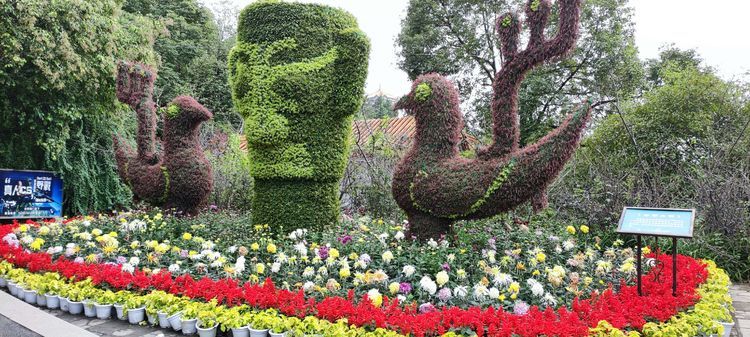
(741, 298)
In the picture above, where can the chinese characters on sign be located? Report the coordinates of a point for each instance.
(30, 194)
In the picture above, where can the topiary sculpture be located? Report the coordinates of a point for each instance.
(297, 75)
(180, 176)
(434, 185)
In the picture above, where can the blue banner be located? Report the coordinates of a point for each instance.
(657, 221)
(30, 194)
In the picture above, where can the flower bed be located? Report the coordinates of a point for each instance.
(482, 312)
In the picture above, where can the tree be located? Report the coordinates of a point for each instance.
(378, 106)
(57, 76)
(455, 38)
(192, 54)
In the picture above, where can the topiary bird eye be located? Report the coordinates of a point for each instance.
(172, 110)
(422, 93)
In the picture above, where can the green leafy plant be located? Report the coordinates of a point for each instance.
(207, 318)
(105, 297)
(233, 318)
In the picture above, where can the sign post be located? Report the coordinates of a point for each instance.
(30, 195)
(666, 222)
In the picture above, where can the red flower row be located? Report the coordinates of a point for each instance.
(623, 309)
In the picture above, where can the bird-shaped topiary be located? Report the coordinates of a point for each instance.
(179, 177)
(434, 185)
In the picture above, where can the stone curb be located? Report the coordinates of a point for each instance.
(37, 320)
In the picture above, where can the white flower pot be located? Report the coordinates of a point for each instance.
(29, 296)
(136, 315)
(727, 328)
(64, 304)
(210, 332)
(174, 321)
(12, 288)
(258, 333)
(188, 326)
(88, 309)
(3, 282)
(163, 320)
(103, 311)
(41, 300)
(280, 334)
(120, 312)
(240, 332)
(151, 319)
(75, 308)
(53, 302)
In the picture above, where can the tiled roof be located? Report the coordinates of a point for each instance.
(399, 131)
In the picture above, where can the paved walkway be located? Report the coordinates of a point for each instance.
(741, 298)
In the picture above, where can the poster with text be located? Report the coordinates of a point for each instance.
(30, 195)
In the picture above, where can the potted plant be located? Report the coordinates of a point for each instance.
(103, 304)
(207, 323)
(260, 324)
(5, 267)
(160, 302)
(174, 314)
(189, 317)
(135, 308)
(726, 320)
(29, 294)
(281, 326)
(75, 301)
(90, 293)
(235, 320)
(120, 298)
(50, 295)
(63, 295)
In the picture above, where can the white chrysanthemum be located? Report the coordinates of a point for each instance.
(275, 267)
(502, 280)
(441, 278)
(568, 244)
(281, 257)
(308, 272)
(301, 249)
(128, 268)
(134, 261)
(239, 265)
(387, 256)
(399, 236)
(480, 291)
(323, 271)
(208, 245)
(460, 291)
(494, 293)
(173, 268)
(537, 289)
(308, 286)
(549, 300)
(409, 270)
(432, 243)
(428, 285)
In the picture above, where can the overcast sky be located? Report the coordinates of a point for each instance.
(720, 32)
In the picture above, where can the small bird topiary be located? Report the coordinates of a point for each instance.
(179, 176)
(435, 186)
(297, 75)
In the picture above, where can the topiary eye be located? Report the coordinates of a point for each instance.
(173, 110)
(423, 92)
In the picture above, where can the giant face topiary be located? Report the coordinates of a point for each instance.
(180, 176)
(434, 185)
(297, 75)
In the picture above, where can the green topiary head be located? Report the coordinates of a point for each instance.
(297, 75)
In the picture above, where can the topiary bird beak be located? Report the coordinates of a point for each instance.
(401, 104)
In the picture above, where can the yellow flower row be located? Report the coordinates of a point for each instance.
(714, 306)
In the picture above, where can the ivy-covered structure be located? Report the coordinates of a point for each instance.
(434, 185)
(297, 75)
(176, 175)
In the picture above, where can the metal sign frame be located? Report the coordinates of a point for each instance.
(639, 243)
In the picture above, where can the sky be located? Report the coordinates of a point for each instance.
(720, 32)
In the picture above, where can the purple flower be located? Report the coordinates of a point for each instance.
(444, 294)
(323, 252)
(365, 258)
(184, 253)
(78, 260)
(446, 267)
(426, 307)
(520, 308)
(404, 287)
(121, 260)
(344, 239)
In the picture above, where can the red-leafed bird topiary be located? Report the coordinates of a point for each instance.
(435, 185)
(180, 176)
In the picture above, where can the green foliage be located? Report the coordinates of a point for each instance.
(59, 111)
(376, 107)
(456, 38)
(233, 184)
(297, 75)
